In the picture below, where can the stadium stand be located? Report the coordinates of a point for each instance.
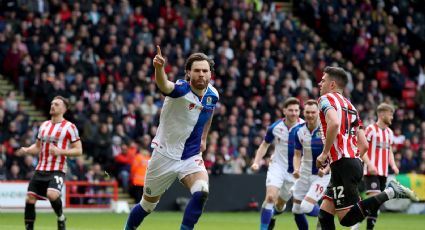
(99, 55)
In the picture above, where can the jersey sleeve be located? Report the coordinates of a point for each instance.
(369, 133)
(39, 130)
(324, 104)
(298, 145)
(73, 132)
(269, 135)
(181, 88)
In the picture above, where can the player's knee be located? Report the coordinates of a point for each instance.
(306, 207)
(52, 195)
(30, 199)
(270, 199)
(296, 209)
(148, 206)
(200, 186)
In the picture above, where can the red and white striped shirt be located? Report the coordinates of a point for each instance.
(345, 144)
(61, 135)
(380, 141)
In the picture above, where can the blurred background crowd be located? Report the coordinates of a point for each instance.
(99, 54)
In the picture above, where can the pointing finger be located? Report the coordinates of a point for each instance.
(158, 50)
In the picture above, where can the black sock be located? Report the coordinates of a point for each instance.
(57, 206)
(372, 204)
(326, 220)
(371, 220)
(353, 216)
(29, 216)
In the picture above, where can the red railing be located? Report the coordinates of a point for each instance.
(71, 192)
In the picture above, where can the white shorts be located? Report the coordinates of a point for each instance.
(163, 171)
(277, 176)
(312, 186)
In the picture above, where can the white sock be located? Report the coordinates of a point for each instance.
(61, 218)
(390, 193)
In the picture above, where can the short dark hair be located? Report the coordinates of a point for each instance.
(311, 102)
(291, 101)
(337, 74)
(65, 101)
(384, 107)
(198, 57)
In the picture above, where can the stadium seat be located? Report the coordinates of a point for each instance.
(408, 94)
(410, 103)
(381, 75)
(410, 84)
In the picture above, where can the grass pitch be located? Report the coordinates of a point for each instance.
(209, 221)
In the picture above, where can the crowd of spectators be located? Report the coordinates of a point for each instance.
(99, 55)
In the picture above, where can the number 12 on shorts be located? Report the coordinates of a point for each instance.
(338, 192)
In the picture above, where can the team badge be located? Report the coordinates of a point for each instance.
(209, 100)
(148, 190)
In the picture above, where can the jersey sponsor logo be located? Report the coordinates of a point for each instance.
(50, 139)
(382, 145)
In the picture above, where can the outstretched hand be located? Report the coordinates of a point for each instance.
(159, 60)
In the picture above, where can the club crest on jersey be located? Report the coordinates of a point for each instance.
(209, 100)
(191, 106)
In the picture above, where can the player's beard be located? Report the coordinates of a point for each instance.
(199, 84)
(387, 122)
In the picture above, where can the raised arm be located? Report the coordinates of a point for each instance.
(161, 78)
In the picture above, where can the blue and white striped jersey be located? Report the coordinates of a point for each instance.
(311, 146)
(284, 141)
(182, 121)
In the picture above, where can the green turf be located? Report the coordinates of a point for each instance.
(209, 221)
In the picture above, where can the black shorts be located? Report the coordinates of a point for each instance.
(346, 175)
(375, 183)
(41, 181)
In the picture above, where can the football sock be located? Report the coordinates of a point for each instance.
(301, 221)
(326, 220)
(266, 215)
(136, 217)
(194, 210)
(57, 207)
(29, 216)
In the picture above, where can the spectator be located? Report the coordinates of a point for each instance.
(137, 174)
(408, 163)
(124, 160)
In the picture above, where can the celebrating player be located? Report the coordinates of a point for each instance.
(343, 132)
(181, 136)
(379, 155)
(310, 186)
(279, 179)
(57, 139)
